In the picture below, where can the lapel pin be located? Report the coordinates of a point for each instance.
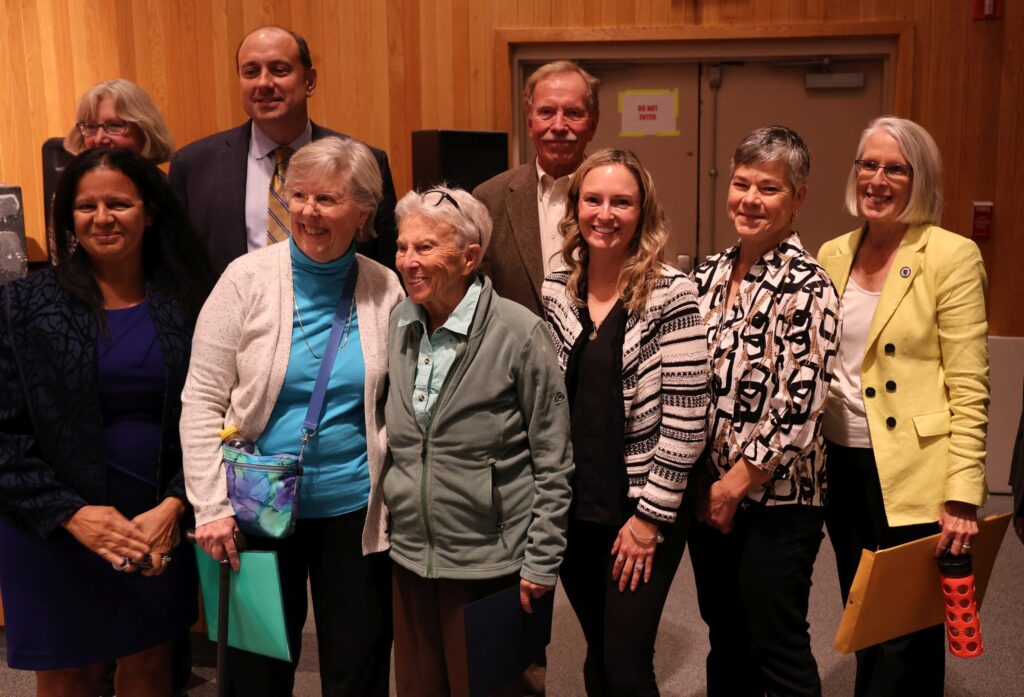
(905, 272)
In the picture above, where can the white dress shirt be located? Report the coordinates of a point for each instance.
(551, 195)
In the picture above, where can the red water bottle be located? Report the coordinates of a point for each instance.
(962, 627)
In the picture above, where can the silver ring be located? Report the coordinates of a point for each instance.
(965, 546)
(620, 558)
(638, 566)
(123, 565)
(165, 558)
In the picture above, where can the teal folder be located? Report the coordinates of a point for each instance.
(255, 606)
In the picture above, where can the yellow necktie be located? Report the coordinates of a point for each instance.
(278, 222)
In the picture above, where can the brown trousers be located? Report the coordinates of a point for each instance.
(430, 633)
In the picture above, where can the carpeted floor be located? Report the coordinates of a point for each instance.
(682, 642)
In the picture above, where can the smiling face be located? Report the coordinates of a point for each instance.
(110, 217)
(559, 124)
(435, 271)
(882, 198)
(762, 203)
(131, 139)
(324, 219)
(274, 84)
(609, 211)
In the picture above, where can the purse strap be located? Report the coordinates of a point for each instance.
(339, 329)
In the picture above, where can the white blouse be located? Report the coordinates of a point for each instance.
(845, 421)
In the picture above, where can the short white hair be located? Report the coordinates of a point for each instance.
(922, 154)
(469, 219)
(348, 159)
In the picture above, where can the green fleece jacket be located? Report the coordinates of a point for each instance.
(485, 491)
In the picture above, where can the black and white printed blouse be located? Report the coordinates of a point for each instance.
(772, 357)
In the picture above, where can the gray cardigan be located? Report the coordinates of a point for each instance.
(239, 359)
(485, 491)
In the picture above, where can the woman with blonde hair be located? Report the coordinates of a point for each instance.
(628, 333)
(906, 416)
(119, 114)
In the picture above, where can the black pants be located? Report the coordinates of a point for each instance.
(620, 628)
(753, 586)
(913, 664)
(351, 606)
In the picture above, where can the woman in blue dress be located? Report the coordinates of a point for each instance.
(93, 358)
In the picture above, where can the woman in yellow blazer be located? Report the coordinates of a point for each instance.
(907, 412)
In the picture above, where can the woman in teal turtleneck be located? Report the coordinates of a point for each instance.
(257, 351)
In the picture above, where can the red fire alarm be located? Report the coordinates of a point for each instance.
(986, 9)
(981, 221)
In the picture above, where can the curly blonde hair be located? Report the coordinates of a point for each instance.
(647, 248)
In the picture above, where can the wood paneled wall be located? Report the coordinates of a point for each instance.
(388, 67)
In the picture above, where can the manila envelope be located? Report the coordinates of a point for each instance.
(896, 591)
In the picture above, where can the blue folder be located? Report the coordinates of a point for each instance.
(502, 640)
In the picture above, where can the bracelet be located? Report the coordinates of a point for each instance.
(656, 538)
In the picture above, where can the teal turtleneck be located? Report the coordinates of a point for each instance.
(336, 473)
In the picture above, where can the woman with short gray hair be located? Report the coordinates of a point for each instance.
(478, 430)
(259, 345)
(772, 319)
(907, 413)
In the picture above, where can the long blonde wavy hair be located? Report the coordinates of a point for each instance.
(647, 248)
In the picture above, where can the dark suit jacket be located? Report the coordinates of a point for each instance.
(52, 454)
(513, 259)
(1017, 471)
(209, 177)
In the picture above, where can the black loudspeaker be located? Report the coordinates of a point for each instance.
(13, 260)
(55, 159)
(461, 158)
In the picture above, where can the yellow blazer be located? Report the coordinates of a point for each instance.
(924, 379)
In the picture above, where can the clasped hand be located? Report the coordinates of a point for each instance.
(108, 533)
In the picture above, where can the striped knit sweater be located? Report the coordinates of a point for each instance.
(664, 385)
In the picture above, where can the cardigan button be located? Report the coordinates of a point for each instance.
(869, 392)
(890, 349)
(891, 422)
(890, 386)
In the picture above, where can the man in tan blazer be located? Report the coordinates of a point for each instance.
(526, 203)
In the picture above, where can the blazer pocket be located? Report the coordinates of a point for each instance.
(933, 424)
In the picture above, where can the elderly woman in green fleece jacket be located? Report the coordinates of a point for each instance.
(478, 429)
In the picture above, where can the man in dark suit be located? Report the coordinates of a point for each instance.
(527, 203)
(224, 179)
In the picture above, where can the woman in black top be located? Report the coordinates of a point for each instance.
(628, 333)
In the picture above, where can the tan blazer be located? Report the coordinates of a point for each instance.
(925, 372)
(513, 259)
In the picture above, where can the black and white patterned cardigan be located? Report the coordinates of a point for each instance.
(664, 385)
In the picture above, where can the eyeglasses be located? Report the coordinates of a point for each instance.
(547, 113)
(111, 128)
(320, 202)
(893, 171)
(442, 196)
